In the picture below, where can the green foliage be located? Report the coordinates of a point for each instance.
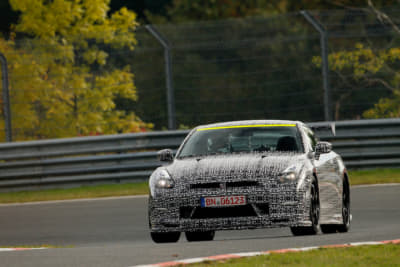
(60, 82)
(243, 69)
(194, 10)
(385, 108)
(368, 66)
(183, 127)
(361, 61)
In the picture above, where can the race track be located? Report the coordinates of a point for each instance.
(114, 232)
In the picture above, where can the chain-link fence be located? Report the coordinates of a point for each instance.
(261, 68)
(249, 68)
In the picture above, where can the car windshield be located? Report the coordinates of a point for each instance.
(242, 139)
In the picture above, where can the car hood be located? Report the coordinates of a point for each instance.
(231, 167)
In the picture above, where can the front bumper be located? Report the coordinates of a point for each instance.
(173, 211)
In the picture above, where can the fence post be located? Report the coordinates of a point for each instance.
(6, 98)
(325, 62)
(168, 77)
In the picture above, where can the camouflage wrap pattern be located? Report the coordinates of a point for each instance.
(271, 202)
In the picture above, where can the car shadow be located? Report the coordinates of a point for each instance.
(252, 237)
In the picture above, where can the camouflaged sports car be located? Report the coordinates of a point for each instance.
(246, 175)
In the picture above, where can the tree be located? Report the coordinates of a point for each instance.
(154, 6)
(189, 10)
(215, 65)
(365, 67)
(372, 65)
(7, 17)
(60, 82)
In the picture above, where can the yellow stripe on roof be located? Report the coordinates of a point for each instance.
(247, 126)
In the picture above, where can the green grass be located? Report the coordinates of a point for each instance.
(376, 176)
(75, 193)
(377, 255)
(356, 178)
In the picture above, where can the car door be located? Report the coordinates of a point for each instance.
(329, 181)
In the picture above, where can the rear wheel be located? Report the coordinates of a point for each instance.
(200, 236)
(314, 214)
(170, 237)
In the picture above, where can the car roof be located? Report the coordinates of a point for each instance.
(248, 122)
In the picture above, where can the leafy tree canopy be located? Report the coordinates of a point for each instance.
(193, 10)
(60, 83)
(363, 67)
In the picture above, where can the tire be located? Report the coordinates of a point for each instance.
(200, 236)
(345, 226)
(314, 214)
(169, 237)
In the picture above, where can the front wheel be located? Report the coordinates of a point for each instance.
(200, 236)
(345, 226)
(314, 214)
(170, 237)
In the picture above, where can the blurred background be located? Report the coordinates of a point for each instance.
(134, 66)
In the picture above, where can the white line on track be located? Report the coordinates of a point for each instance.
(18, 249)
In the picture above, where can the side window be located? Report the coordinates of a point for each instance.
(312, 139)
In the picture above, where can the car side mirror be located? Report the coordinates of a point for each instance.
(165, 155)
(322, 148)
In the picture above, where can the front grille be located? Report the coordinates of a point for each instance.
(241, 184)
(263, 208)
(185, 212)
(224, 184)
(238, 211)
(205, 186)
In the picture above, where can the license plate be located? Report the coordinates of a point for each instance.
(225, 201)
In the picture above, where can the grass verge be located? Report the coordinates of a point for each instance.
(75, 193)
(376, 176)
(376, 255)
(356, 178)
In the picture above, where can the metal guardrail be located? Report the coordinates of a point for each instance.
(132, 157)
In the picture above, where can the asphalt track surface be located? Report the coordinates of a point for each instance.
(114, 232)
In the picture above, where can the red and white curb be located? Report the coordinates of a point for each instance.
(251, 254)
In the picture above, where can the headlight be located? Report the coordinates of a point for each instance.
(290, 174)
(161, 179)
(288, 177)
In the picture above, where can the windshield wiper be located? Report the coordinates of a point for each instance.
(203, 155)
(186, 156)
(191, 156)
